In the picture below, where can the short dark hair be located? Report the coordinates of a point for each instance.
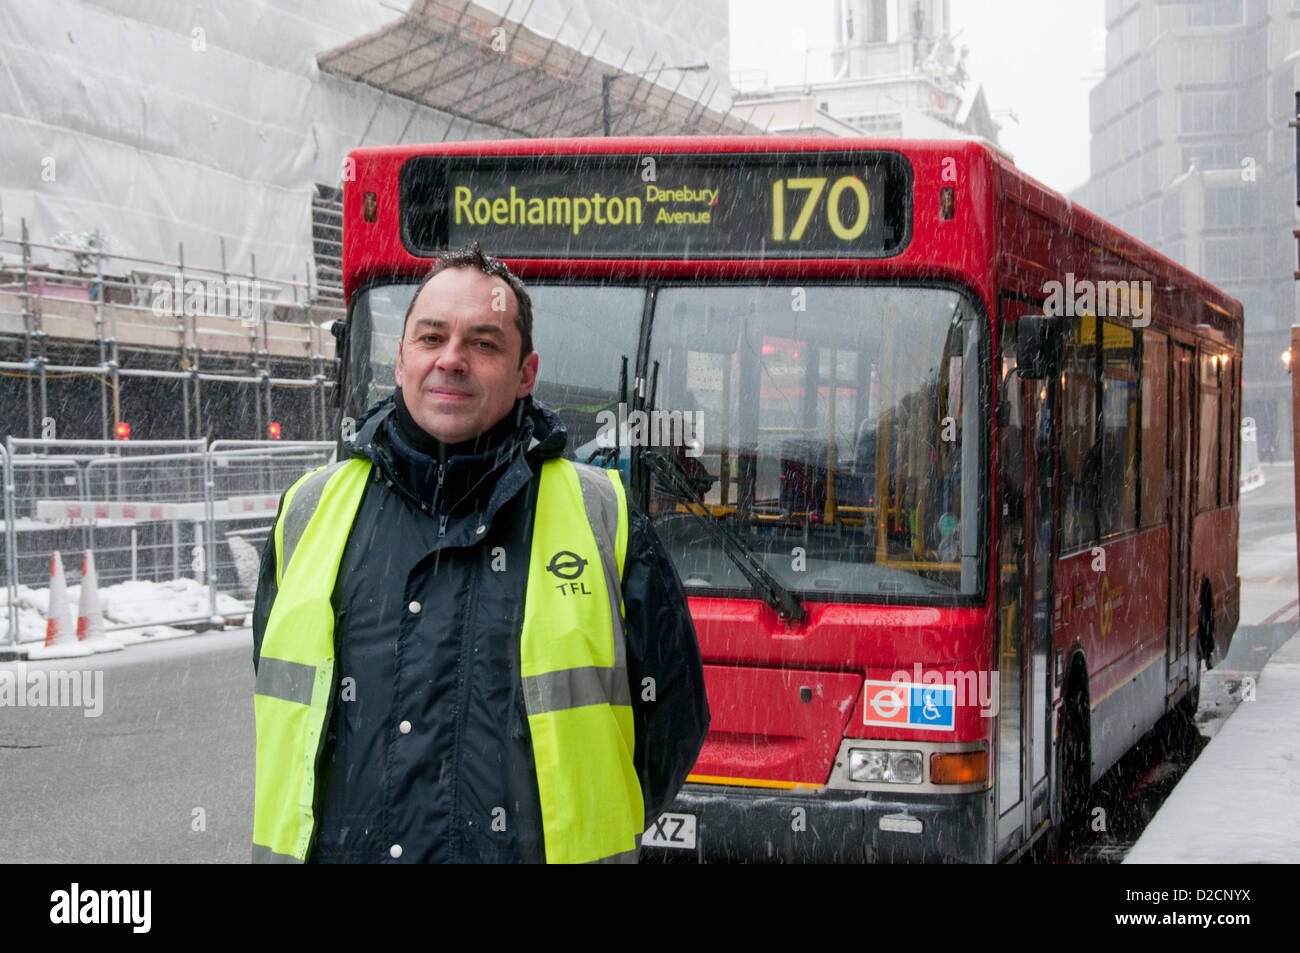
(471, 256)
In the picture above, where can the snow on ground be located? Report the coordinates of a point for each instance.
(248, 563)
(1237, 802)
(1267, 568)
(142, 602)
(156, 632)
(144, 607)
(31, 623)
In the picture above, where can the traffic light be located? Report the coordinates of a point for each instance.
(123, 431)
(273, 428)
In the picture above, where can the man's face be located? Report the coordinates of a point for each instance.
(458, 360)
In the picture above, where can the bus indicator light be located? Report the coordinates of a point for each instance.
(968, 767)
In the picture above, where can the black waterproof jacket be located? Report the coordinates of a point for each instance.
(427, 756)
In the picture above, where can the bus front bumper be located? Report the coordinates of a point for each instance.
(747, 825)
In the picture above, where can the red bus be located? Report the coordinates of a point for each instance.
(946, 464)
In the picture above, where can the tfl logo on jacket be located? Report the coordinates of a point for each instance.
(568, 566)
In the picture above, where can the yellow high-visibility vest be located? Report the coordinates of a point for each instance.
(572, 652)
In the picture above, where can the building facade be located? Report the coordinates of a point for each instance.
(1191, 153)
(896, 73)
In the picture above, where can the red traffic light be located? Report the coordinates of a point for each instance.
(124, 431)
(273, 428)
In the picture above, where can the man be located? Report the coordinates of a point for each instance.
(444, 670)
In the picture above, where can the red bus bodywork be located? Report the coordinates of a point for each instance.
(785, 697)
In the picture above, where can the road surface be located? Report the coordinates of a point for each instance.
(165, 773)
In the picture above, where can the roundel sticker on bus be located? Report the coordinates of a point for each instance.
(909, 705)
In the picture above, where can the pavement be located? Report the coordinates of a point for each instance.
(1238, 801)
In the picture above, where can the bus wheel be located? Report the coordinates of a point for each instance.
(1076, 759)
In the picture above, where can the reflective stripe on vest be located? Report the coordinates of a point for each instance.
(572, 649)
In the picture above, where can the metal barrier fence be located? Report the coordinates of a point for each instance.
(185, 514)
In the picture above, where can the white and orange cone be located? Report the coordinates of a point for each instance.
(90, 614)
(60, 634)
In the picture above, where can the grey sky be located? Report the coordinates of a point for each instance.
(1036, 59)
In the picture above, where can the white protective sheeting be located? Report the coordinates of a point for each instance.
(649, 34)
(159, 122)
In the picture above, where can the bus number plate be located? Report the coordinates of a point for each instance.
(671, 830)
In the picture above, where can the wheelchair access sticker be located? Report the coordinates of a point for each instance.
(909, 705)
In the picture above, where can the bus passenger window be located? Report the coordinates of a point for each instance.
(1227, 428)
(1155, 426)
(1207, 471)
(1119, 394)
(1081, 435)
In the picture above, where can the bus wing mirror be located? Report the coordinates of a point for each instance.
(340, 331)
(1038, 347)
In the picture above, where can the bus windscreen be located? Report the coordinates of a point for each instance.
(792, 205)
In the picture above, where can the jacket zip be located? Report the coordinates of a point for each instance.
(442, 520)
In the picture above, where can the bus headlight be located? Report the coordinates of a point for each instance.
(890, 765)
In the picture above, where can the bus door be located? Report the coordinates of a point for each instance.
(1027, 506)
(1182, 440)
(1042, 446)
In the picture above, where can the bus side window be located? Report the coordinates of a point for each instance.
(1227, 429)
(1155, 427)
(1080, 434)
(1119, 391)
(1207, 472)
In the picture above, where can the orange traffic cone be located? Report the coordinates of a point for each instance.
(60, 638)
(90, 614)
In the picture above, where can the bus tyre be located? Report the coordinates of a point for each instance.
(1201, 647)
(1076, 761)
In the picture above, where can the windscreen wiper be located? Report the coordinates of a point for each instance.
(781, 599)
(607, 457)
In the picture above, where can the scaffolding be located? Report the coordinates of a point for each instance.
(114, 319)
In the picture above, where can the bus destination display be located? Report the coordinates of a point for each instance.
(793, 205)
